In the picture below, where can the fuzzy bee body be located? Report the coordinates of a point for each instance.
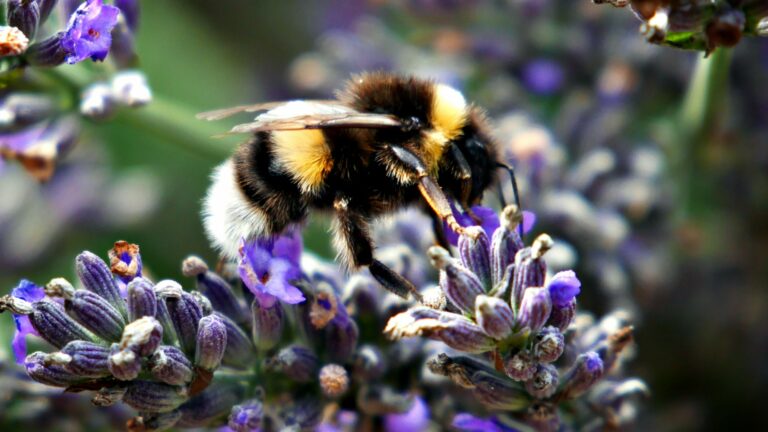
(386, 143)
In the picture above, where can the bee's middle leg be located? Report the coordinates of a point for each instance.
(354, 242)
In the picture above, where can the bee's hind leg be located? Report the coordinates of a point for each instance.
(354, 242)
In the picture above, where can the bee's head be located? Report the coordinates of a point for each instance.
(479, 149)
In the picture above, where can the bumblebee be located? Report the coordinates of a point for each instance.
(386, 142)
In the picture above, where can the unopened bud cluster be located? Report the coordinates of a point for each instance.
(503, 305)
(698, 24)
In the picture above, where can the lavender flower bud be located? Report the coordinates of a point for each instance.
(205, 304)
(152, 397)
(21, 109)
(108, 396)
(298, 363)
(247, 416)
(12, 41)
(211, 342)
(474, 250)
(130, 10)
(130, 88)
(304, 414)
(521, 366)
(498, 393)
(561, 317)
(142, 300)
(334, 380)
(96, 314)
(82, 358)
(185, 313)
(216, 289)
(53, 325)
(213, 403)
(494, 316)
(152, 422)
(24, 15)
(459, 284)
(142, 336)
(164, 290)
(48, 52)
(368, 363)
(534, 309)
(124, 364)
(563, 288)
(544, 382)
(587, 370)
(97, 278)
(169, 365)
(123, 48)
(530, 268)
(460, 369)
(462, 335)
(341, 336)
(267, 324)
(239, 351)
(549, 345)
(505, 242)
(97, 102)
(59, 287)
(43, 372)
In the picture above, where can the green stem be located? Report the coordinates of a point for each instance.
(177, 125)
(699, 116)
(167, 120)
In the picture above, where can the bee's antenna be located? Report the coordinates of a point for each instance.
(515, 191)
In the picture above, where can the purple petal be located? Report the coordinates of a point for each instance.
(416, 419)
(563, 288)
(88, 34)
(489, 221)
(278, 285)
(543, 76)
(288, 246)
(30, 292)
(529, 220)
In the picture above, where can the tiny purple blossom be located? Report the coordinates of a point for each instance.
(267, 268)
(415, 419)
(489, 221)
(30, 292)
(88, 34)
(543, 76)
(563, 288)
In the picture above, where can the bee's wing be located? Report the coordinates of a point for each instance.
(297, 115)
(228, 112)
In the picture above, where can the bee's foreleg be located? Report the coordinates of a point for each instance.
(462, 172)
(428, 187)
(354, 243)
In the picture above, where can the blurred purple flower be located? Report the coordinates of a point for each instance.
(470, 423)
(88, 34)
(267, 268)
(30, 292)
(415, 419)
(489, 221)
(543, 76)
(563, 288)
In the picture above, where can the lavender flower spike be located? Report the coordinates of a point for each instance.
(88, 34)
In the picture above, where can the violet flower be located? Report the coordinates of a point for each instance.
(30, 292)
(489, 221)
(88, 34)
(563, 288)
(415, 419)
(267, 268)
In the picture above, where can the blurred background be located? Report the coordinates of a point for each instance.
(661, 208)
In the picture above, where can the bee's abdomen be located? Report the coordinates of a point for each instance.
(267, 185)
